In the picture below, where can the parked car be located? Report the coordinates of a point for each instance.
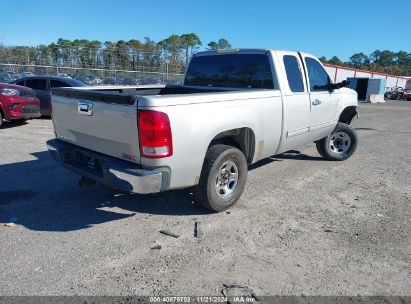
(63, 75)
(42, 85)
(407, 94)
(395, 93)
(8, 76)
(172, 82)
(17, 103)
(132, 81)
(90, 80)
(113, 81)
(152, 81)
(235, 107)
(93, 80)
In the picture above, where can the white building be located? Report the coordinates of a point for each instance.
(339, 73)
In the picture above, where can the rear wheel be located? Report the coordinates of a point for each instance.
(223, 178)
(340, 145)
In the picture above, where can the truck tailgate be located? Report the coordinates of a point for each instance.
(102, 122)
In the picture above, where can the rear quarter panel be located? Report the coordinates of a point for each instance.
(196, 119)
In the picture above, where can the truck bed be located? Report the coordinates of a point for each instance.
(111, 125)
(128, 95)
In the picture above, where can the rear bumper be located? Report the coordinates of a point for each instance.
(113, 172)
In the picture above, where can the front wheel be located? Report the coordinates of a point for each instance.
(340, 145)
(223, 178)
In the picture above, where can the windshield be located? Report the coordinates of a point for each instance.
(230, 70)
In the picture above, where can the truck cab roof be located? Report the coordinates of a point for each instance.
(243, 51)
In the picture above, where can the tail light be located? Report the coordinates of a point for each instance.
(154, 134)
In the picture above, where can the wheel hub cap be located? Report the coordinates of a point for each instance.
(340, 142)
(226, 180)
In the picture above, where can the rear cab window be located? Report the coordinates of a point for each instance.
(36, 84)
(294, 75)
(251, 71)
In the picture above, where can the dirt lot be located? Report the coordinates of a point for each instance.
(303, 226)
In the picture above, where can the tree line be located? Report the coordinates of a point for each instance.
(172, 53)
(395, 63)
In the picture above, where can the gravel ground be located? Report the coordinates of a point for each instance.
(303, 226)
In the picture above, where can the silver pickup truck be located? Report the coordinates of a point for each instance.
(234, 108)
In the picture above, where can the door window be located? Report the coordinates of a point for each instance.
(36, 84)
(318, 77)
(293, 71)
(58, 84)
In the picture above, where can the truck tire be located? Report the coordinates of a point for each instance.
(340, 144)
(223, 178)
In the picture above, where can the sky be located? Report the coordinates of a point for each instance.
(323, 28)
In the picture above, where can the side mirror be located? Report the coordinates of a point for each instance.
(345, 83)
(339, 85)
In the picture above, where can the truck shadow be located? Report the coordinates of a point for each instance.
(292, 154)
(43, 196)
(297, 155)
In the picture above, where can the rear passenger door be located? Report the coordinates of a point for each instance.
(297, 100)
(40, 86)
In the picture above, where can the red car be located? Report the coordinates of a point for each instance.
(17, 103)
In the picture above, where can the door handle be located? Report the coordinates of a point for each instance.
(85, 108)
(316, 102)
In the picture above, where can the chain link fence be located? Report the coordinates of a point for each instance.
(92, 76)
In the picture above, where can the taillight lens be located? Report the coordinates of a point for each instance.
(154, 134)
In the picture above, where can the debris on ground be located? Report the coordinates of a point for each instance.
(236, 290)
(156, 247)
(168, 232)
(10, 224)
(198, 232)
